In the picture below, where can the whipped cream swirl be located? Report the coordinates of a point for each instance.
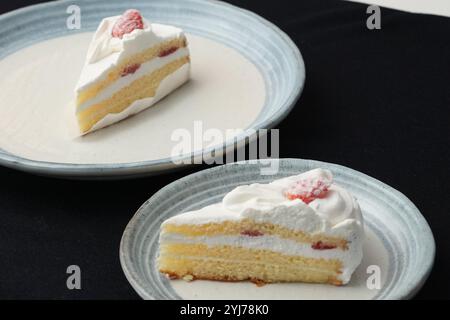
(335, 206)
(104, 44)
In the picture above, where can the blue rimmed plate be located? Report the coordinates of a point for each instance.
(398, 252)
(275, 57)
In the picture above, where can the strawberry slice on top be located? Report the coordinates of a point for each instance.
(127, 23)
(309, 190)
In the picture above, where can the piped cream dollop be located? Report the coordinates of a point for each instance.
(104, 44)
(336, 206)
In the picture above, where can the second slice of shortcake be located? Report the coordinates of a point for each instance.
(130, 65)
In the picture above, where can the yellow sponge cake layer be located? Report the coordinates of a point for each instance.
(144, 87)
(248, 226)
(229, 263)
(137, 59)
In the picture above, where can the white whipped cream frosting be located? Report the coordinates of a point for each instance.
(103, 43)
(335, 214)
(106, 51)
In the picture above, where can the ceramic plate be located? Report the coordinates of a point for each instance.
(241, 65)
(399, 247)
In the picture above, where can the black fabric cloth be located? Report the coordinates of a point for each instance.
(374, 100)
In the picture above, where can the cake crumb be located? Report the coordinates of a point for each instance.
(171, 276)
(188, 278)
(258, 282)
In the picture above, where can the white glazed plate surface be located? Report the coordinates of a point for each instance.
(246, 74)
(399, 242)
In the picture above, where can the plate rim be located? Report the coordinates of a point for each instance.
(408, 290)
(149, 167)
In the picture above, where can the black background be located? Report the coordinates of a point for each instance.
(377, 101)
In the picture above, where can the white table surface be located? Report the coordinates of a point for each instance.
(438, 7)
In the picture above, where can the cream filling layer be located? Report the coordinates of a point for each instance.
(148, 67)
(169, 84)
(350, 258)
